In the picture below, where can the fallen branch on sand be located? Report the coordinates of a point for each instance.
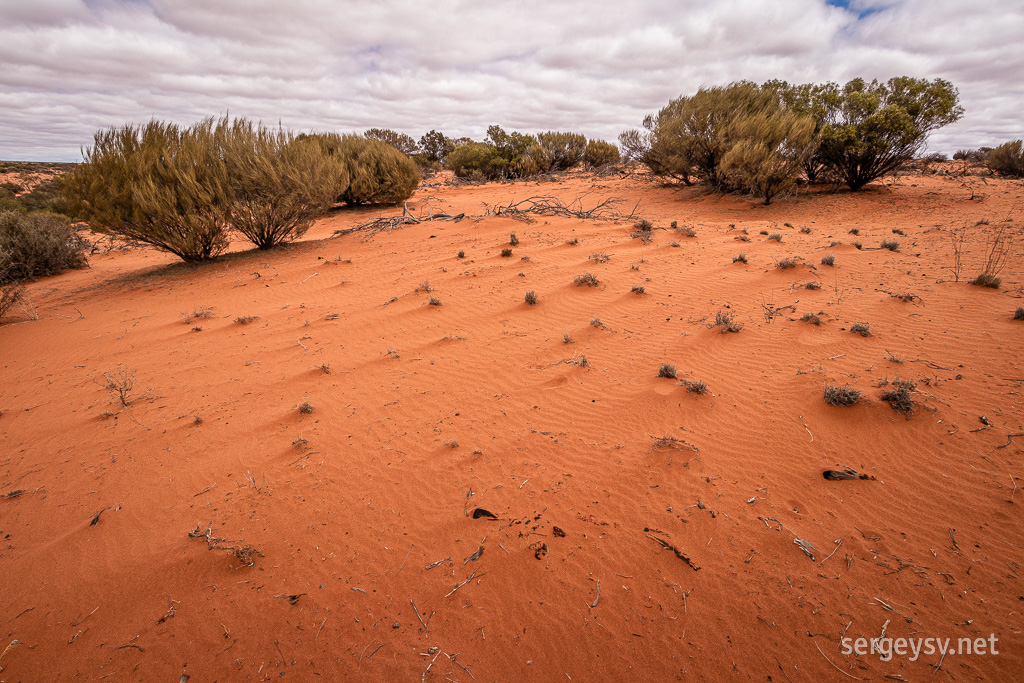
(390, 223)
(553, 206)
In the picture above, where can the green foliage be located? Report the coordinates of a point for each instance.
(436, 146)
(501, 155)
(870, 129)
(46, 196)
(400, 141)
(476, 159)
(564, 149)
(157, 184)
(737, 137)
(1008, 158)
(378, 173)
(600, 153)
(37, 244)
(279, 184)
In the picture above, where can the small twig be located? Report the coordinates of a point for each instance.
(375, 650)
(463, 583)
(425, 671)
(403, 561)
(1009, 438)
(320, 629)
(598, 597)
(839, 542)
(836, 667)
(416, 610)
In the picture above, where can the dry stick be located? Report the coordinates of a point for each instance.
(403, 561)
(594, 604)
(939, 665)
(460, 585)
(836, 667)
(834, 551)
(320, 629)
(227, 648)
(416, 610)
(464, 667)
(424, 677)
(434, 564)
(783, 671)
(1009, 438)
(375, 650)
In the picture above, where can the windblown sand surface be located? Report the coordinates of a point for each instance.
(366, 554)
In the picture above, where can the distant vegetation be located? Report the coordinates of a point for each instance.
(762, 138)
(1008, 158)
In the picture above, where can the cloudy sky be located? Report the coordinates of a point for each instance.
(71, 67)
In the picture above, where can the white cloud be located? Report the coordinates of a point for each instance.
(72, 67)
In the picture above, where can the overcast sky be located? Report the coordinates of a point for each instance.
(71, 67)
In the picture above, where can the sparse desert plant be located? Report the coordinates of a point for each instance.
(812, 285)
(828, 260)
(742, 238)
(897, 231)
(786, 263)
(424, 287)
(762, 232)
(506, 253)
(642, 230)
(246, 319)
(739, 258)
(461, 254)
(434, 301)
(157, 184)
(857, 245)
(854, 231)
(586, 279)
(805, 230)
(1019, 313)
(687, 231)
(566, 338)
(199, 313)
(675, 244)
(775, 236)
(1008, 158)
(667, 371)
(120, 383)
(332, 316)
(596, 322)
(305, 407)
(698, 387)
(513, 240)
(37, 244)
(10, 296)
(863, 329)
(987, 280)
(811, 318)
(325, 368)
(841, 396)
(958, 237)
(900, 397)
(724, 321)
(637, 289)
(600, 257)
(531, 298)
(891, 245)
(573, 242)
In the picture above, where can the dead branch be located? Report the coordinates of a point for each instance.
(605, 210)
(389, 223)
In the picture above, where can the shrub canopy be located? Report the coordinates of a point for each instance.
(37, 244)
(1008, 158)
(157, 184)
(600, 153)
(565, 150)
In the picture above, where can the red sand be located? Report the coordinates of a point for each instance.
(429, 412)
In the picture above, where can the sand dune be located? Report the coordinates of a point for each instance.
(422, 414)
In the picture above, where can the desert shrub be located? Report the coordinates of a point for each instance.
(564, 150)
(400, 141)
(10, 295)
(637, 289)
(805, 230)
(279, 184)
(461, 254)
(473, 158)
(812, 285)
(667, 371)
(741, 258)
(811, 318)
(724, 321)
(305, 407)
(506, 253)
(857, 245)
(854, 231)
(891, 245)
(686, 231)
(46, 196)
(531, 298)
(1019, 313)
(775, 236)
(698, 387)
(977, 155)
(841, 396)
(869, 129)
(643, 230)
(513, 240)
(987, 280)
(863, 329)
(246, 319)
(434, 301)
(157, 184)
(786, 263)
(37, 244)
(737, 137)
(9, 189)
(586, 279)
(600, 153)
(900, 396)
(898, 231)
(377, 172)
(1008, 158)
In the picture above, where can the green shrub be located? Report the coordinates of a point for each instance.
(436, 147)
(522, 153)
(474, 158)
(157, 184)
(400, 141)
(869, 129)
(565, 150)
(377, 172)
(37, 244)
(46, 196)
(1008, 158)
(600, 153)
(279, 184)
